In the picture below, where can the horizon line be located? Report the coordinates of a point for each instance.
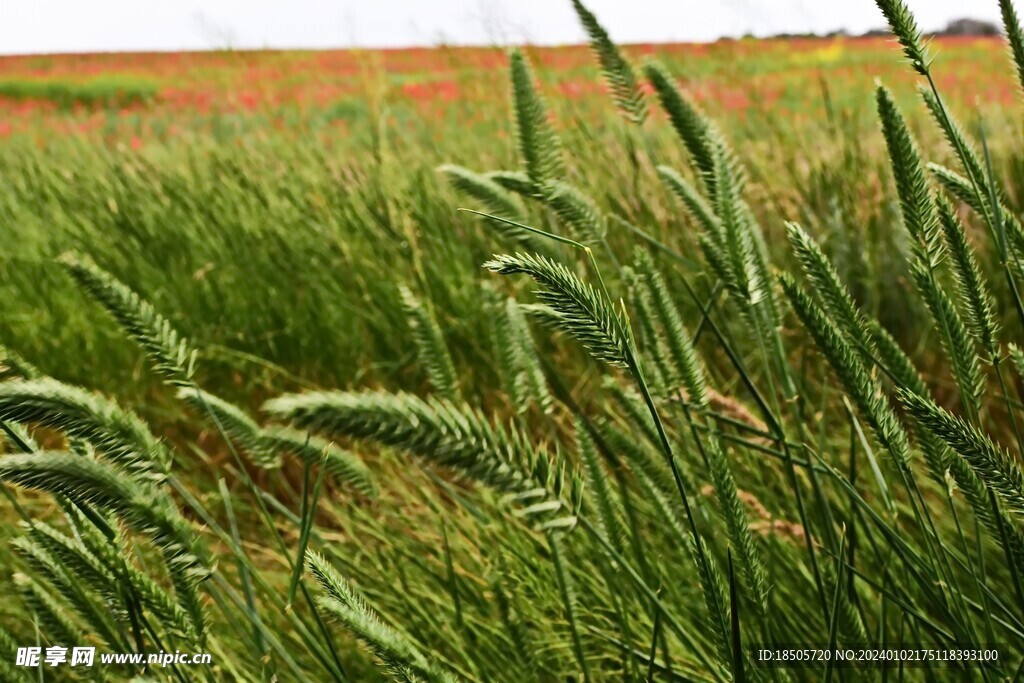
(877, 33)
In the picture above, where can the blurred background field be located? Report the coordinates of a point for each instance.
(309, 177)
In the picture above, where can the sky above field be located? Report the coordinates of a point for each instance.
(43, 26)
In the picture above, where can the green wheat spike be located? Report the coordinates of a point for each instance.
(958, 186)
(122, 437)
(509, 362)
(13, 365)
(583, 312)
(920, 215)
(104, 571)
(171, 354)
(963, 190)
(18, 438)
(398, 653)
(905, 374)
(586, 222)
(703, 212)
(829, 288)
(535, 380)
(143, 508)
(89, 609)
(1015, 36)
(236, 424)
(687, 363)
(616, 69)
(662, 373)
(602, 501)
(344, 465)
(8, 671)
(939, 458)
(851, 626)
(971, 287)
(955, 339)
(514, 346)
(642, 460)
(713, 590)
(956, 139)
(523, 647)
(716, 258)
(971, 190)
(430, 344)
(631, 406)
(570, 603)
(485, 190)
(735, 516)
(539, 146)
(851, 372)
(186, 577)
(922, 220)
(726, 490)
(513, 181)
(454, 436)
(1017, 356)
(687, 120)
(745, 282)
(53, 618)
(904, 27)
(993, 465)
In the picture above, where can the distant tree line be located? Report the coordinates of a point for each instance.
(956, 27)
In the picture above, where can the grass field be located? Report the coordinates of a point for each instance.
(338, 150)
(730, 361)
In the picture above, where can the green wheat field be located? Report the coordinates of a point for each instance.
(566, 367)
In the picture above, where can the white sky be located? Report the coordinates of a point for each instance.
(38, 26)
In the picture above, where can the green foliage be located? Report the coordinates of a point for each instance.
(96, 92)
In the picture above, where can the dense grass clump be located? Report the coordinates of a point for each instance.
(624, 429)
(95, 92)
